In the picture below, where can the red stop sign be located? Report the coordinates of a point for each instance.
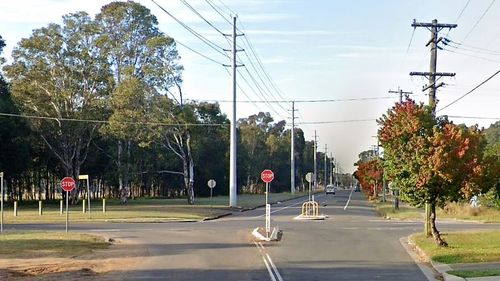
(267, 176)
(68, 184)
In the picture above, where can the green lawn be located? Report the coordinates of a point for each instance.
(141, 209)
(464, 247)
(475, 273)
(45, 244)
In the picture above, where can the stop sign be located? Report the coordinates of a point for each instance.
(68, 184)
(267, 176)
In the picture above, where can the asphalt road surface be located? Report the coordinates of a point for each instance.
(353, 243)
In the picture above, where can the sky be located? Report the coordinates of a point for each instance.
(336, 59)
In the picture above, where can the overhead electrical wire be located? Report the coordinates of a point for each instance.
(217, 10)
(199, 15)
(209, 43)
(305, 101)
(107, 121)
(479, 20)
(459, 15)
(469, 92)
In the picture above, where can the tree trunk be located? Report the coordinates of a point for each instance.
(435, 233)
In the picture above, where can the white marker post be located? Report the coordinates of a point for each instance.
(86, 177)
(211, 184)
(309, 179)
(267, 176)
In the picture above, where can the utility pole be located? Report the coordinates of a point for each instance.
(333, 167)
(434, 27)
(326, 159)
(233, 190)
(315, 168)
(292, 152)
(401, 92)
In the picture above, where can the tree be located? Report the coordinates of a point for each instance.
(58, 75)
(369, 174)
(135, 49)
(433, 161)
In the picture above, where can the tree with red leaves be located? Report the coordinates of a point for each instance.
(369, 174)
(433, 161)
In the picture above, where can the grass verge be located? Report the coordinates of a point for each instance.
(48, 244)
(138, 210)
(475, 273)
(405, 212)
(460, 211)
(464, 247)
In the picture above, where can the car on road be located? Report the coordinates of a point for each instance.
(357, 188)
(330, 189)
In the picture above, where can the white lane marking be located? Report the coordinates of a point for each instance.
(280, 209)
(349, 200)
(274, 267)
(271, 267)
(105, 230)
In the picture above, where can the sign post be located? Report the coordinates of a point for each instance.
(67, 184)
(86, 177)
(211, 184)
(1, 202)
(309, 179)
(267, 176)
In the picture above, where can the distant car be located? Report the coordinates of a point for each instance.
(357, 189)
(330, 189)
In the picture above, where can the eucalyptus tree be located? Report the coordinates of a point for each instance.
(134, 47)
(57, 76)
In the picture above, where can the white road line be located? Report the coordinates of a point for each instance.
(280, 209)
(348, 200)
(274, 267)
(271, 268)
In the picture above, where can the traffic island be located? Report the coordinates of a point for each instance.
(310, 211)
(260, 234)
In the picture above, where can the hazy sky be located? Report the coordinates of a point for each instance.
(319, 50)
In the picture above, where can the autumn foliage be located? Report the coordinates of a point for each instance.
(433, 160)
(369, 174)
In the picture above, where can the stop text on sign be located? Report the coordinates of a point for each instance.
(267, 176)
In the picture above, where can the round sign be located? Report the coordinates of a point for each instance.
(68, 184)
(267, 176)
(211, 183)
(309, 177)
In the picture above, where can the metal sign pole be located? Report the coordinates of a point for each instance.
(268, 212)
(67, 215)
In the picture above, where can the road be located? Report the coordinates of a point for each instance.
(353, 243)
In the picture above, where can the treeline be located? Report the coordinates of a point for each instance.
(103, 96)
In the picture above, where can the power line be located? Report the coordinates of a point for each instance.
(199, 15)
(217, 10)
(107, 121)
(449, 42)
(477, 22)
(209, 43)
(303, 101)
(469, 55)
(473, 117)
(335, 121)
(469, 92)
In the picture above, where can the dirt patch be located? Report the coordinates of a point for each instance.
(110, 264)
